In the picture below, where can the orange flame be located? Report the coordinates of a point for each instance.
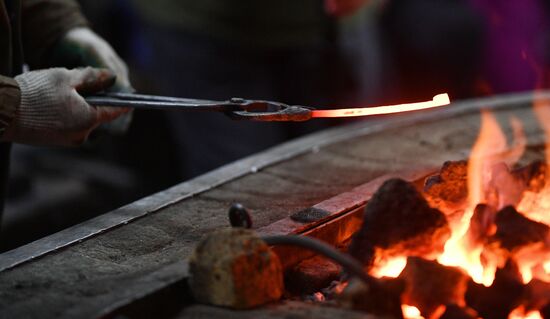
(520, 313)
(489, 151)
(411, 312)
(491, 182)
(437, 101)
(535, 261)
(392, 268)
(536, 205)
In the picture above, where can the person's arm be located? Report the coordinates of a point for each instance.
(56, 34)
(83, 47)
(43, 24)
(10, 97)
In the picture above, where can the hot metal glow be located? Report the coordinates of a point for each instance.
(392, 268)
(437, 101)
(411, 312)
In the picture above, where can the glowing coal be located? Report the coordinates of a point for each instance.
(475, 242)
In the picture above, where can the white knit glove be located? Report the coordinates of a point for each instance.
(52, 112)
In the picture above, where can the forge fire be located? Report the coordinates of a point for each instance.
(473, 240)
(467, 240)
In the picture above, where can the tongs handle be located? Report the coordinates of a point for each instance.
(141, 101)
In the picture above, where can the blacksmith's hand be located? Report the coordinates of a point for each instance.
(343, 7)
(52, 112)
(82, 47)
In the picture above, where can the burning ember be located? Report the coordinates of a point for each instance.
(411, 312)
(475, 243)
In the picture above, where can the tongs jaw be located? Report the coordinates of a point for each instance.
(235, 108)
(268, 111)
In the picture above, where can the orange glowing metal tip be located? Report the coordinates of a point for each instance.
(437, 101)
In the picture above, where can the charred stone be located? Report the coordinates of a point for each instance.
(398, 221)
(430, 285)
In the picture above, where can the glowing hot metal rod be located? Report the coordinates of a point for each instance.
(255, 110)
(437, 101)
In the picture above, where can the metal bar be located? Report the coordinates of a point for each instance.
(437, 101)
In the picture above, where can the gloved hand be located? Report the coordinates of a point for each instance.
(52, 112)
(343, 7)
(83, 47)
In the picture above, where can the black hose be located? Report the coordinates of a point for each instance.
(384, 302)
(350, 265)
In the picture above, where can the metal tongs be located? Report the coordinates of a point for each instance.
(235, 108)
(255, 110)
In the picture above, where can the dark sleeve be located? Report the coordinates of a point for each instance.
(10, 97)
(43, 23)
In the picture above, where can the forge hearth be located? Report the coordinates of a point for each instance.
(474, 237)
(402, 236)
(132, 262)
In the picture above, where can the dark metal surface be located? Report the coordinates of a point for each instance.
(285, 113)
(309, 215)
(239, 216)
